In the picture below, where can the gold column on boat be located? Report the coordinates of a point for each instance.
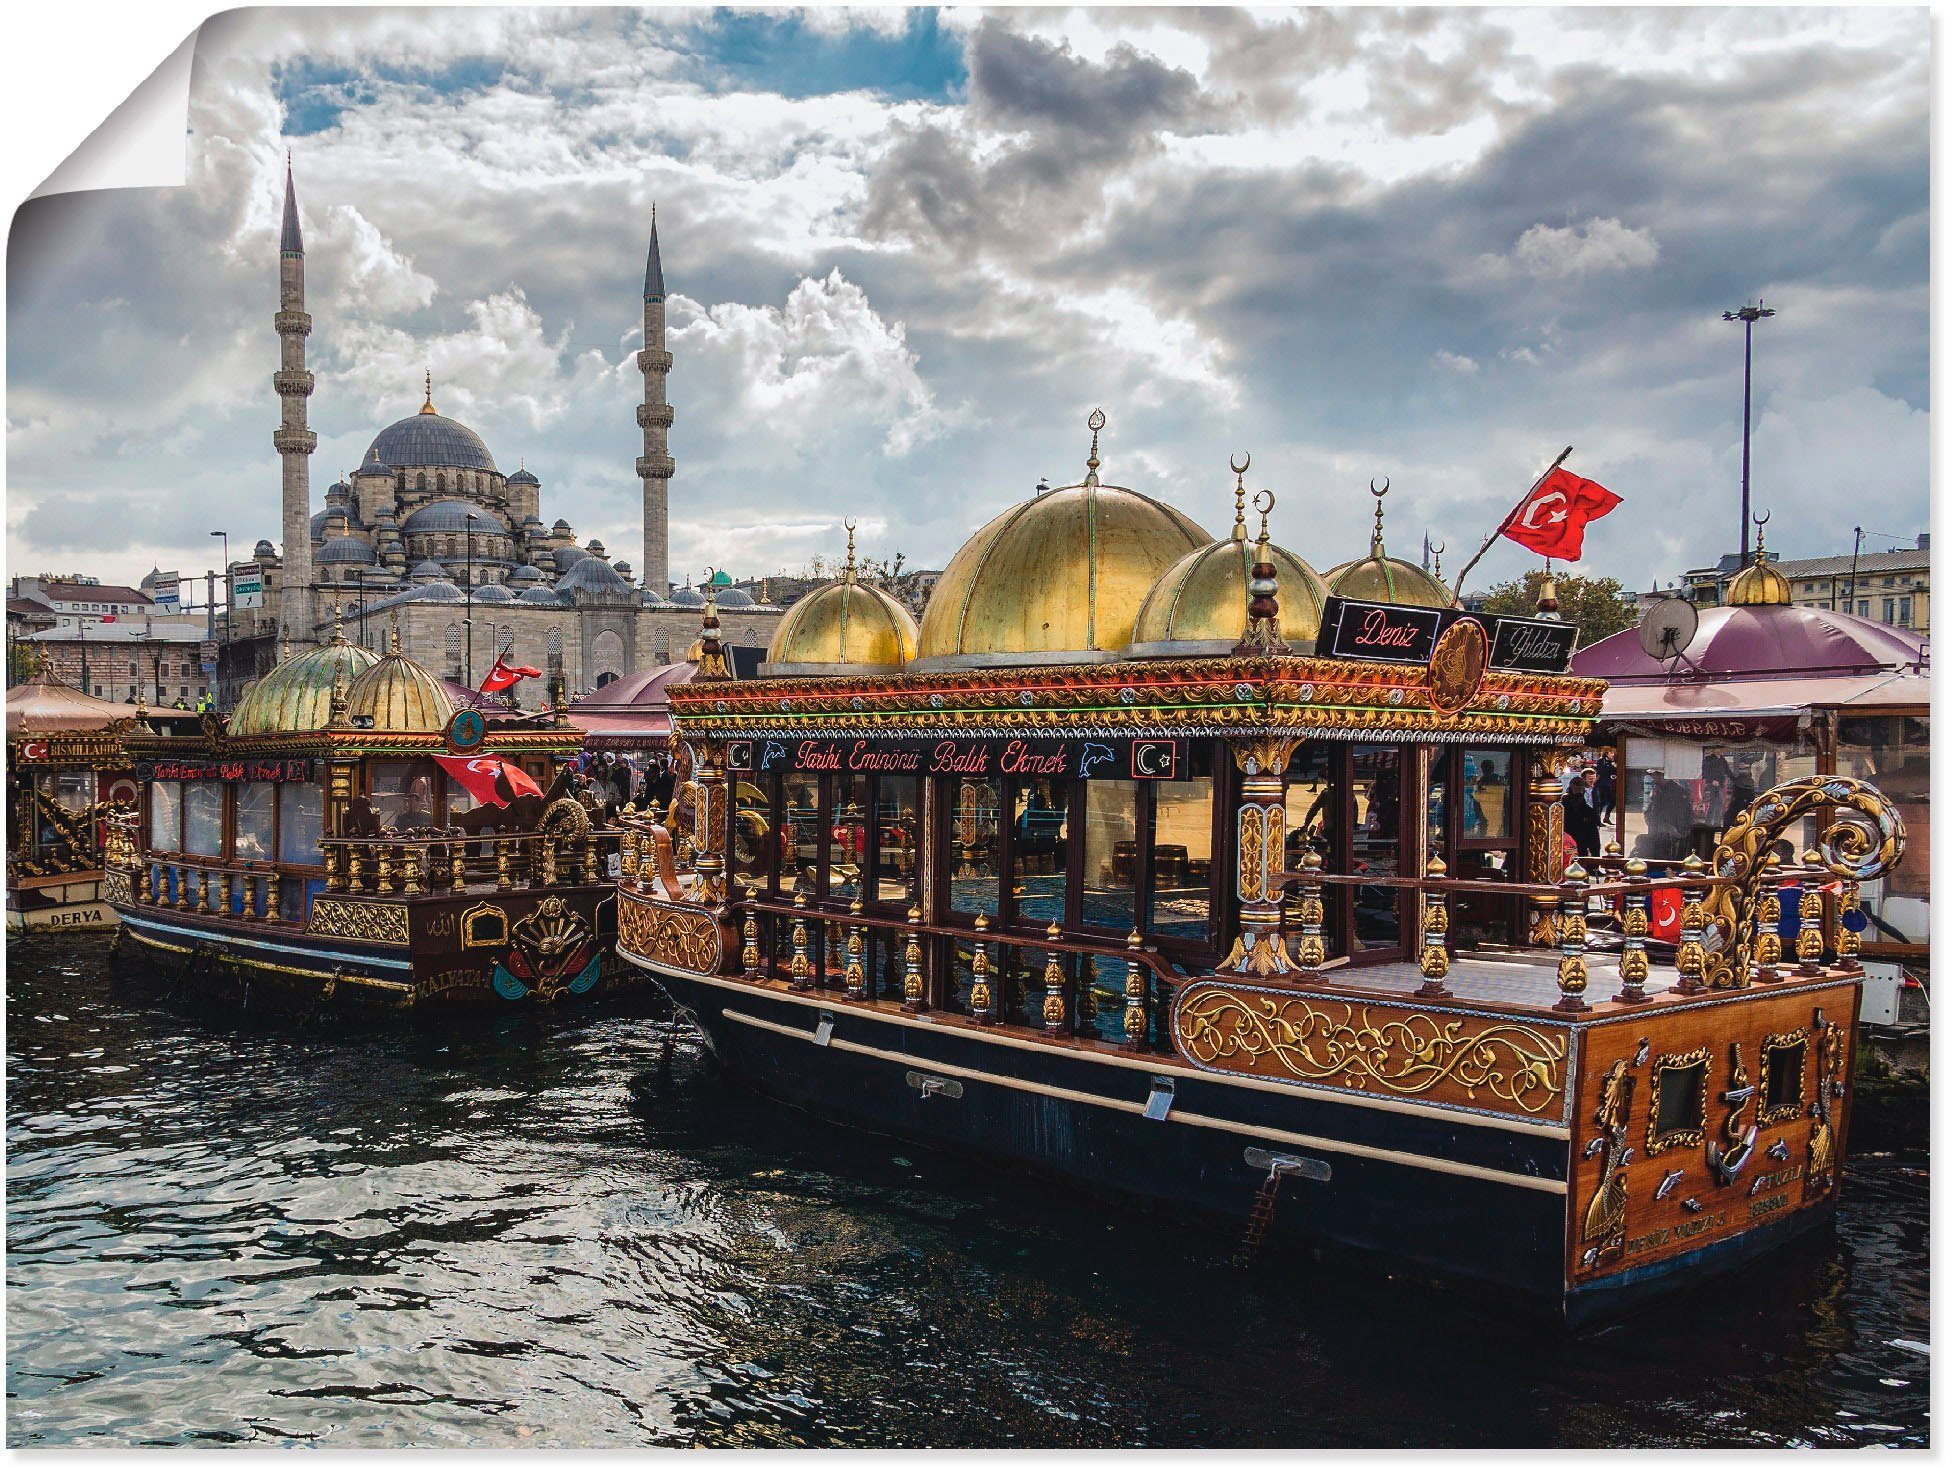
(1572, 939)
(1545, 836)
(1769, 913)
(223, 893)
(1633, 935)
(1809, 941)
(502, 880)
(912, 998)
(142, 884)
(801, 969)
(383, 868)
(1054, 984)
(411, 878)
(749, 945)
(1311, 950)
(708, 822)
(271, 896)
(1434, 962)
(335, 880)
(1135, 1015)
(981, 1001)
(1690, 958)
(854, 972)
(548, 861)
(204, 904)
(1259, 951)
(457, 866)
(355, 876)
(183, 899)
(627, 858)
(1849, 943)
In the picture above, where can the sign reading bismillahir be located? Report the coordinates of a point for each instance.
(1124, 759)
(274, 771)
(1382, 632)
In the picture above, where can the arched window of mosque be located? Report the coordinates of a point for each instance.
(555, 642)
(454, 645)
(664, 647)
(440, 483)
(420, 481)
(607, 654)
(603, 680)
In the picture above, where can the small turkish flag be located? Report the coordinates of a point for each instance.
(1553, 519)
(1664, 915)
(506, 675)
(488, 777)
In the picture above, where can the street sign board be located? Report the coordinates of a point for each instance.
(247, 588)
(168, 594)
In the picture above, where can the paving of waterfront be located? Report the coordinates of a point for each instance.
(513, 1235)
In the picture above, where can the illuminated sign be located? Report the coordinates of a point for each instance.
(1066, 759)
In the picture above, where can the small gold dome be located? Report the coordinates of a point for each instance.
(296, 696)
(399, 696)
(1200, 605)
(844, 626)
(1759, 584)
(1380, 577)
(1058, 578)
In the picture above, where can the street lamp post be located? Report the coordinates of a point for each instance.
(467, 621)
(1748, 316)
(230, 586)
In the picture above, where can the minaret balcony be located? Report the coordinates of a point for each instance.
(294, 440)
(293, 323)
(655, 415)
(294, 382)
(656, 466)
(658, 362)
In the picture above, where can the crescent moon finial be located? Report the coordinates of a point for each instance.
(1242, 466)
(1379, 493)
(1763, 518)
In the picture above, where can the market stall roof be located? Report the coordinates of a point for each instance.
(632, 712)
(1759, 698)
(45, 705)
(1749, 643)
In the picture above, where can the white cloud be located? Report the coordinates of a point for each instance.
(1596, 246)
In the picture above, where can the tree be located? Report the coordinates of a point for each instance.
(1593, 604)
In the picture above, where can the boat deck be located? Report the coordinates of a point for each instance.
(1501, 979)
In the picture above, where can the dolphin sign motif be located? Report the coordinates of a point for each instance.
(1092, 756)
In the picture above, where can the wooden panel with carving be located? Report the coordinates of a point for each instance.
(1477, 1061)
(368, 922)
(678, 937)
(1728, 1156)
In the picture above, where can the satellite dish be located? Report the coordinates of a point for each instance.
(1668, 628)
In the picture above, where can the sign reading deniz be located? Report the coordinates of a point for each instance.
(1067, 759)
(276, 771)
(1381, 632)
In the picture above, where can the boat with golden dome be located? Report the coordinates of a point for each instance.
(1158, 862)
(350, 835)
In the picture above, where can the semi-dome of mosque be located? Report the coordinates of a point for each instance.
(1200, 605)
(399, 696)
(451, 517)
(567, 556)
(593, 577)
(731, 596)
(334, 520)
(842, 626)
(296, 696)
(540, 596)
(1380, 577)
(429, 571)
(430, 440)
(436, 591)
(491, 592)
(524, 575)
(687, 596)
(345, 550)
(1057, 578)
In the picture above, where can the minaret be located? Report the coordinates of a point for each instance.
(655, 468)
(293, 440)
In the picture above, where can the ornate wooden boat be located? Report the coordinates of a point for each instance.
(319, 846)
(66, 774)
(1161, 901)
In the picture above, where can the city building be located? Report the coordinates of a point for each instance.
(1888, 586)
(72, 602)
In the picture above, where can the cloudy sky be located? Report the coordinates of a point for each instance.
(909, 252)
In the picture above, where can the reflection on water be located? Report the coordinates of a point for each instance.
(516, 1235)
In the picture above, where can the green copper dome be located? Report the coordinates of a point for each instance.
(296, 696)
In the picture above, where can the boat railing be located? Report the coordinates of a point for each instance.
(423, 862)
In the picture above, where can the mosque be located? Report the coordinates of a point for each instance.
(431, 536)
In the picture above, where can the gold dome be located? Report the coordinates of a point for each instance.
(1056, 579)
(1759, 584)
(1380, 577)
(1200, 605)
(296, 696)
(844, 626)
(399, 696)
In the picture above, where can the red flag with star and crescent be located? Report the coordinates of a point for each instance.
(1554, 516)
(488, 777)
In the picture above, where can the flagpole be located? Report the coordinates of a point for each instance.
(1458, 590)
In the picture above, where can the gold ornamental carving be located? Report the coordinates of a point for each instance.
(484, 925)
(366, 922)
(1457, 665)
(676, 937)
(1493, 1064)
(1604, 1230)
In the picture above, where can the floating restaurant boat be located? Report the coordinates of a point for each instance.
(66, 774)
(350, 835)
(1162, 863)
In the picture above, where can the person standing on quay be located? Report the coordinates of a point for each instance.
(1605, 789)
(1583, 812)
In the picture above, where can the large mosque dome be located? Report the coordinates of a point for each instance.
(431, 441)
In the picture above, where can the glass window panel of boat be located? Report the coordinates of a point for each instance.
(1111, 854)
(847, 850)
(299, 811)
(1311, 813)
(1101, 998)
(1436, 805)
(1892, 753)
(403, 794)
(1179, 905)
(799, 836)
(165, 815)
(1040, 845)
(897, 837)
(257, 806)
(976, 846)
(203, 818)
(69, 789)
(1375, 783)
(1486, 795)
(755, 854)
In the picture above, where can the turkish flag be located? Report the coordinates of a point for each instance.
(506, 675)
(1664, 914)
(489, 778)
(1553, 519)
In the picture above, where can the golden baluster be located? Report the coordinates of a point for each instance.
(1768, 916)
(801, 969)
(1633, 935)
(627, 859)
(143, 890)
(548, 861)
(271, 912)
(384, 866)
(335, 880)
(413, 885)
(355, 869)
(502, 880)
(912, 998)
(184, 902)
(1690, 958)
(1809, 938)
(1850, 941)
(224, 893)
(457, 865)
(204, 893)
(1054, 984)
(1311, 950)
(855, 972)
(981, 1000)
(1135, 993)
(749, 952)
(1434, 961)
(1572, 940)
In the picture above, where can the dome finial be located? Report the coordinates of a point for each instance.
(428, 405)
(711, 652)
(338, 625)
(1263, 634)
(1095, 422)
(1760, 521)
(1376, 535)
(848, 574)
(1437, 561)
(1240, 495)
(393, 635)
